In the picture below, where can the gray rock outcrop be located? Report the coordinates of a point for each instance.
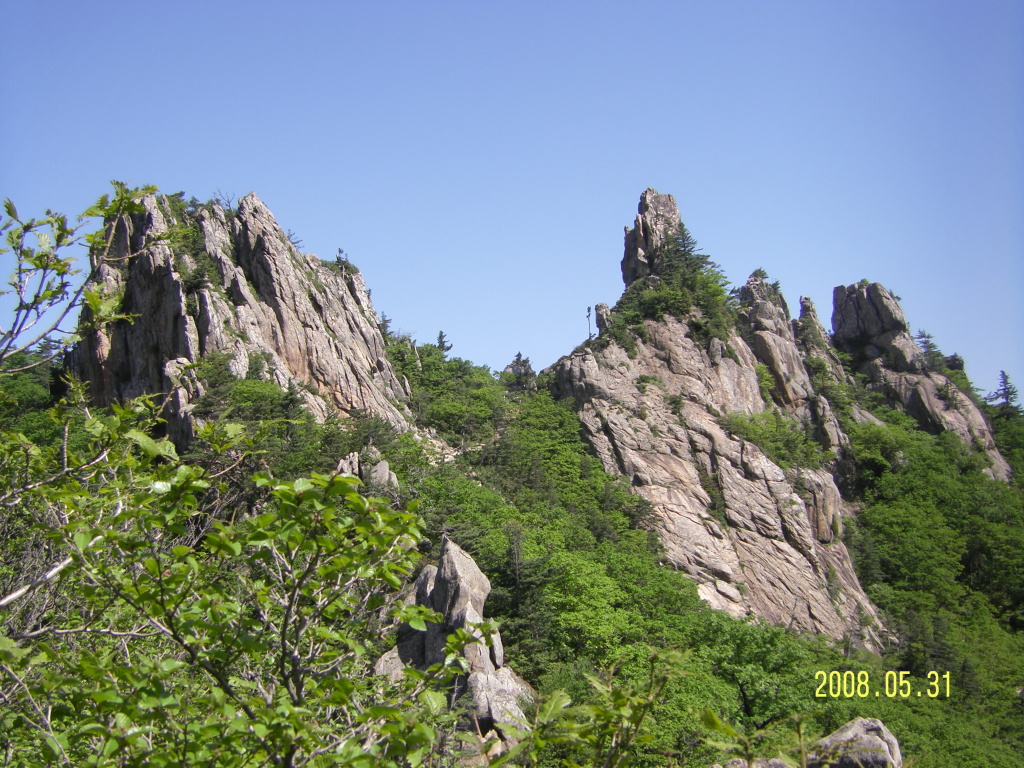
(456, 588)
(775, 340)
(861, 743)
(250, 294)
(657, 217)
(869, 319)
(868, 323)
(756, 539)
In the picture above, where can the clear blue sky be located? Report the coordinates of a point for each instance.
(478, 160)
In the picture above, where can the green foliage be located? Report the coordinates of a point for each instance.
(765, 382)
(340, 265)
(42, 280)
(198, 614)
(1007, 419)
(285, 435)
(197, 640)
(682, 280)
(463, 402)
(782, 440)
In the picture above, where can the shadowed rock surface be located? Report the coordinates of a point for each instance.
(261, 301)
(457, 588)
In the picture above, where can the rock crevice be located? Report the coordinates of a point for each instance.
(249, 294)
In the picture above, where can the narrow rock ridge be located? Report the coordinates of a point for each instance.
(868, 323)
(280, 314)
(782, 345)
(757, 539)
(456, 588)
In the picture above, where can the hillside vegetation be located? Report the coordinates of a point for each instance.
(226, 606)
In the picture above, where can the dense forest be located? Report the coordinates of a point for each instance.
(224, 602)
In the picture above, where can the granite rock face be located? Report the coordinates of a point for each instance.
(869, 324)
(861, 743)
(250, 294)
(456, 588)
(756, 539)
(657, 216)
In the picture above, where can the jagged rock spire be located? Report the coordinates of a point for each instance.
(657, 217)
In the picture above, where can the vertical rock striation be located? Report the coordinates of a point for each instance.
(756, 538)
(248, 293)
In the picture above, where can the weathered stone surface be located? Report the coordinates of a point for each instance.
(772, 341)
(861, 743)
(865, 316)
(756, 539)
(657, 217)
(869, 323)
(269, 306)
(457, 589)
(770, 546)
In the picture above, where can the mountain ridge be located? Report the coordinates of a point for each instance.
(759, 538)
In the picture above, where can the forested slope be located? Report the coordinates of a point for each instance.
(187, 626)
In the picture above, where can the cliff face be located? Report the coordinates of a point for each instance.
(245, 292)
(869, 324)
(756, 538)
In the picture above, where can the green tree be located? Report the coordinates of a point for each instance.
(1005, 395)
(146, 622)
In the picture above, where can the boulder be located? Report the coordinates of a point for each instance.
(456, 588)
(861, 743)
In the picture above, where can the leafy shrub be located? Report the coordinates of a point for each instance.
(782, 440)
(682, 279)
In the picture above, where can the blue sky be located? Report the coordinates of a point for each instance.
(478, 160)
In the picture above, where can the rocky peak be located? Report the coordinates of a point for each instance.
(765, 315)
(868, 321)
(232, 283)
(657, 217)
(756, 538)
(764, 306)
(869, 324)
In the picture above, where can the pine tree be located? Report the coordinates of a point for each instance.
(1006, 393)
